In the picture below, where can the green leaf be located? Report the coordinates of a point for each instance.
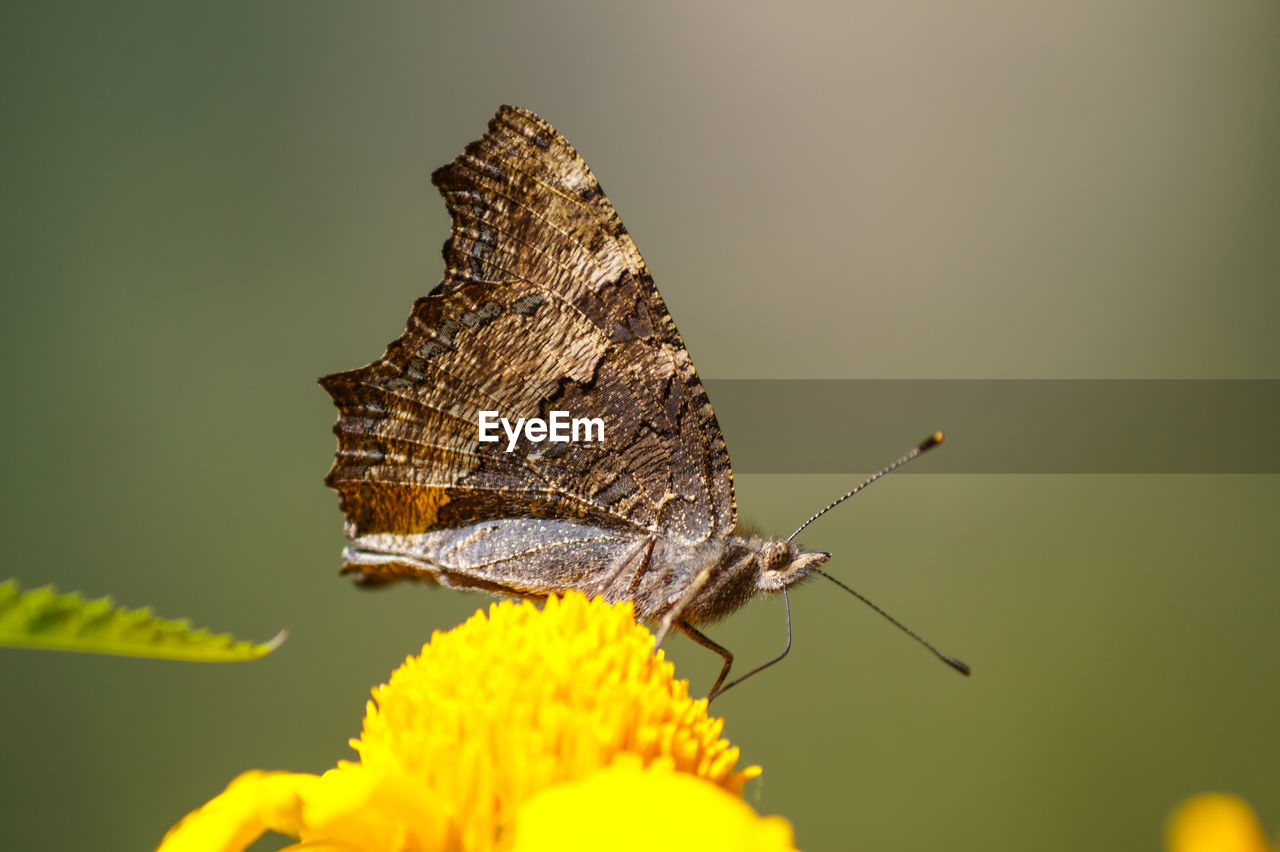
(42, 618)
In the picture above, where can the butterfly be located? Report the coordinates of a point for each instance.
(546, 307)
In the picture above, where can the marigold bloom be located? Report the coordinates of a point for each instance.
(523, 729)
(1215, 822)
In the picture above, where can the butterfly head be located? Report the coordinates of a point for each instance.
(782, 564)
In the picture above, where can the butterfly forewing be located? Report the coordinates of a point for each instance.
(545, 305)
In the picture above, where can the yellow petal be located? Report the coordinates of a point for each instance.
(382, 811)
(632, 808)
(1214, 822)
(348, 808)
(253, 804)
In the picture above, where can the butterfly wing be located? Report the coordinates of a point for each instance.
(546, 305)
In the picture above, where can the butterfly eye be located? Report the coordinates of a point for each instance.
(775, 555)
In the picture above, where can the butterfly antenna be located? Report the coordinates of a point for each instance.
(958, 665)
(928, 444)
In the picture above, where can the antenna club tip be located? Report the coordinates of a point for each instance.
(959, 665)
(932, 441)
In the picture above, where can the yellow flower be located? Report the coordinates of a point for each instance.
(526, 729)
(1215, 822)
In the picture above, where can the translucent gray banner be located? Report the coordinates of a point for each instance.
(1042, 426)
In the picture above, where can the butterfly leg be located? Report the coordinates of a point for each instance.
(675, 614)
(694, 634)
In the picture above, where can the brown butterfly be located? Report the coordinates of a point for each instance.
(546, 306)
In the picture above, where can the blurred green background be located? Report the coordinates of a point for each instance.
(205, 208)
